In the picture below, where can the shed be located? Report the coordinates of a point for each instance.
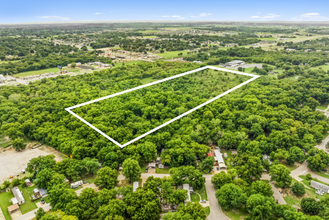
(43, 193)
(151, 165)
(13, 208)
(28, 182)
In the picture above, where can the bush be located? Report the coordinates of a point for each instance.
(15, 182)
(308, 176)
(298, 189)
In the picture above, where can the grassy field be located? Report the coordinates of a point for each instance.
(119, 64)
(268, 38)
(207, 209)
(162, 171)
(236, 214)
(5, 203)
(153, 36)
(3, 142)
(307, 182)
(195, 197)
(321, 107)
(323, 67)
(202, 192)
(173, 54)
(28, 205)
(148, 80)
(37, 72)
(228, 159)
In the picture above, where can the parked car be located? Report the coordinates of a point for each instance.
(85, 182)
(217, 168)
(203, 201)
(43, 201)
(146, 170)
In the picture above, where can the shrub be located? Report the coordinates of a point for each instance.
(298, 189)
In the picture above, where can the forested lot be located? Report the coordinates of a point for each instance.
(267, 116)
(130, 115)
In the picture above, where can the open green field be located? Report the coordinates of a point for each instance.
(37, 72)
(163, 171)
(173, 54)
(119, 64)
(321, 107)
(150, 36)
(28, 205)
(207, 209)
(148, 80)
(4, 142)
(323, 67)
(268, 38)
(149, 31)
(236, 214)
(5, 203)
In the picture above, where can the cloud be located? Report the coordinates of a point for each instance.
(97, 13)
(313, 16)
(54, 18)
(173, 16)
(272, 16)
(201, 15)
(269, 16)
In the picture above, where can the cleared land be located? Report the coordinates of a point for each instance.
(12, 162)
(132, 114)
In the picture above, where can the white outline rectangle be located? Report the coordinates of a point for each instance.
(153, 83)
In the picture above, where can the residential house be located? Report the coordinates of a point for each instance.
(322, 188)
(18, 195)
(76, 184)
(151, 165)
(220, 160)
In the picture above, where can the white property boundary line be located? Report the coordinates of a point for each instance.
(153, 83)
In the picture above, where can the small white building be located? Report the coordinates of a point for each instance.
(220, 160)
(322, 188)
(76, 184)
(135, 186)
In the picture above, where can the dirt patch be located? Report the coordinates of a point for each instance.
(12, 162)
(7, 138)
(16, 214)
(151, 170)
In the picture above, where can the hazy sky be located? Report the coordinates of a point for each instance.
(72, 10)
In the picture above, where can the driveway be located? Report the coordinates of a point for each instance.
(84, 186)
(31, 215)
(277, 195)
(323, 144)
(216, 212)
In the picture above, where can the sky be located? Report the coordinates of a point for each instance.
(20, 11)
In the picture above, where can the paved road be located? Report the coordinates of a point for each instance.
(216, 212)
(31, 215)
(323, 144)
(277, 195)
(84, 186)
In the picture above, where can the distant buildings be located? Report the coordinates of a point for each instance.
(234, 63)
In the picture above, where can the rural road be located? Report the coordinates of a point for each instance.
(277, 195)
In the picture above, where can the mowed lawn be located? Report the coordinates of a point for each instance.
(5, 202)
(172, 54)
(37, 72)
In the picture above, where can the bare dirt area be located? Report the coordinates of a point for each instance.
(12, 162)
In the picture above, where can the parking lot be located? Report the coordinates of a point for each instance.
(12, 162)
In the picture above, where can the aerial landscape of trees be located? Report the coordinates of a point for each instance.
(270, 124)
